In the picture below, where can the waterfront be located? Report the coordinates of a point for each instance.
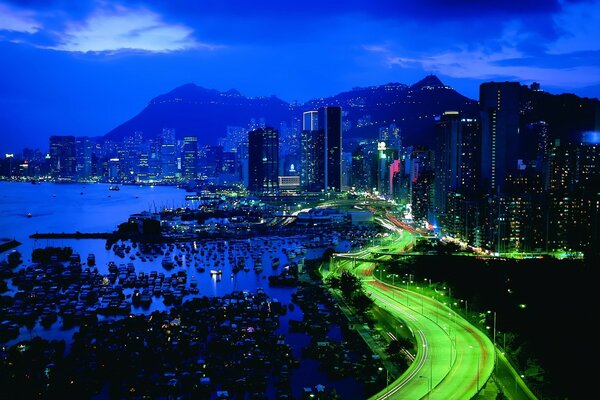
(93, 208)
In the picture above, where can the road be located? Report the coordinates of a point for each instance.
(453, 360)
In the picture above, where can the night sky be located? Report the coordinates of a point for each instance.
(83, 67)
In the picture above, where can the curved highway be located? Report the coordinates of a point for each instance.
(454, 359)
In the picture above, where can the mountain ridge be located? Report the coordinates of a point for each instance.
(206, 113)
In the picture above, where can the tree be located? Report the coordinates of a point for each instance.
(349, 283)
(361, 301)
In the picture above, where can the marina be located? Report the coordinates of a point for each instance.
(130, 278)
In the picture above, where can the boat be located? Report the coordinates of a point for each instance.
(29, 215)
(114, 187)
(168, 263)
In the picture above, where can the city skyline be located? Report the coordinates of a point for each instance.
(84, 68)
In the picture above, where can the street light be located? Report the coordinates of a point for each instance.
(477, 370)
(387, 380)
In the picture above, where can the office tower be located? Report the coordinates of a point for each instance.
(129, 155)
(154, 166)
(63, 159)
(263, 160)
(84, 149)
(168, 155)
(143, 167)
(499, 104)
(308, 136)
(190, 157)
(330, 130)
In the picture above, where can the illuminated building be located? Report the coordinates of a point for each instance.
(190, 157)
(499, 110)
(168, 155)
(63, 161)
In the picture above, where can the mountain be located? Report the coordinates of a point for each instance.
(206, 113)
(411, 108)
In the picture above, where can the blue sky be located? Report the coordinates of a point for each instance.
(83, 67)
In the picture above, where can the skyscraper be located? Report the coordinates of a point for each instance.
(190, 157)
(63, 159)
(308, 138)
(456, 158)
(168, 155)
(84, 150)
(263, 160)
(330, 130)
(499, 104)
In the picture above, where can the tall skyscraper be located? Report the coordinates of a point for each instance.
(63, 160)
(456, 157)
(330, 129)
(499, 104)
(84, 149)
(190, 157)
(168, 154)
(263, 160)
(308, 139)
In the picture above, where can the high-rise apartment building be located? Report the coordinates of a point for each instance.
(499, 104)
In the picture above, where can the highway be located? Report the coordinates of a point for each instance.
(454, 359)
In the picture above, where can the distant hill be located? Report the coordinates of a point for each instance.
(206, 113)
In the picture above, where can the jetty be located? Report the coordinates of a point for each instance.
(7, 244)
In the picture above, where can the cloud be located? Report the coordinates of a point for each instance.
(121, 28)
(15, 20)
(564, 57)
(579, 28)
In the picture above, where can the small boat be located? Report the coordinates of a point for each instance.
(114, 187)
(29, 215)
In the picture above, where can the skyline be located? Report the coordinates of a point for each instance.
(83, 68)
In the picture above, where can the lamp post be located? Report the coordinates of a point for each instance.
(477, 370)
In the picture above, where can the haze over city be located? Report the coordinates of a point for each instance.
(83, 67)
